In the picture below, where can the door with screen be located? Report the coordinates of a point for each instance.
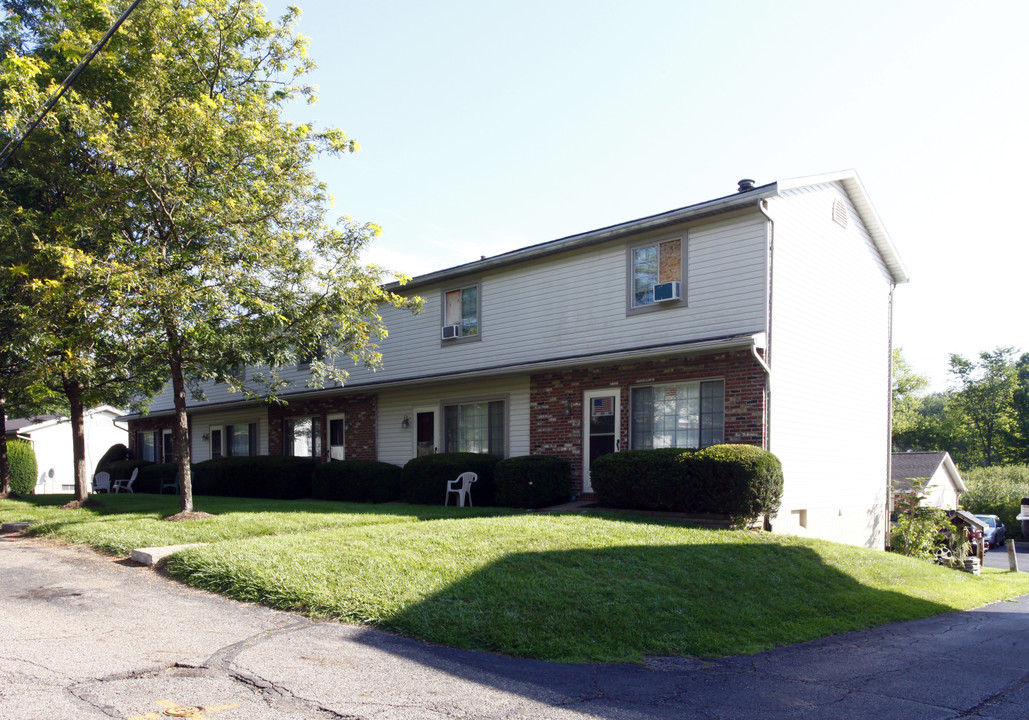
(337, 437)
(426, 438)
(600, 429)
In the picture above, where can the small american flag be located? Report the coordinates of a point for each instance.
(603, 406)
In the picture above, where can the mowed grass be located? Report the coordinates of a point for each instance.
(129, 521)
(571, 588)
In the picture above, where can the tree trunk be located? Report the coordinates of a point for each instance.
(5, 464)
(180, 431)
(73, 391)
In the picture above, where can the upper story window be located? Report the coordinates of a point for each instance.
(656, 274)
(461, 313)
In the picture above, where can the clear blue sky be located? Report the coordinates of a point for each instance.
(487, 126)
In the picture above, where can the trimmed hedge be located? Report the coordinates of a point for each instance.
(532, 481)
(24, 471)
(115, 453)
(150, 477)
(424, 479)
(741, 481)
(278, 477)
(356, 481)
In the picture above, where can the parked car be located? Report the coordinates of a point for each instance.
(995, 534)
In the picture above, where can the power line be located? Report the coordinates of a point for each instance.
(13, 146)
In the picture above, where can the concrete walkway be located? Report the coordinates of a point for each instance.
(84, 636)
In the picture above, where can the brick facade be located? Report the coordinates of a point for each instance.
(556, 409)
(360, 411)
(153, 424)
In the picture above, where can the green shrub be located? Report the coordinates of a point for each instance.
(24, 471)
(151, 475)
(424, 479)
(741, 481)
(997, 490)
(644, 479)
(356, 481)
(278, 477)
(532, 481)
(921, 532)
(115, 453)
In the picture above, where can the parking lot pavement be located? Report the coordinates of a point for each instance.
(87, 637)
(998, 557)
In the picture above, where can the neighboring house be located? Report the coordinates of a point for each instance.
(761, 317)
(945, 484)
(50, 436)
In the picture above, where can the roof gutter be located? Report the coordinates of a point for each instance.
(718, 206)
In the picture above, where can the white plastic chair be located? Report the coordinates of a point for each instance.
(126, 485)
(463, 487)
(102, 481)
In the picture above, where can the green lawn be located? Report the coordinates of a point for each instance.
(573, 588)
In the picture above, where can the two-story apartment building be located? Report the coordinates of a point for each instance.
(761, 317)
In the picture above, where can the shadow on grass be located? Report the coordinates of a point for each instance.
(623, 603)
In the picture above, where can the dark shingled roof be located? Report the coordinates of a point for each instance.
(15, 424)
(910, 465)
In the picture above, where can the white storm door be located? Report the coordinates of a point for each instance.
(601, 413)
(337, 436)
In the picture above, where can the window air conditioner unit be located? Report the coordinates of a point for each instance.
(451, 332)
(663, 292)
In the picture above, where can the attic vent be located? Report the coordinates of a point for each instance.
(839, 212)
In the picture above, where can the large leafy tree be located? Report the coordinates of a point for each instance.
(983, 395)
(205, 207)
(73, 348)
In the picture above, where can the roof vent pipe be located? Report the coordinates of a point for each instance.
(745, 185)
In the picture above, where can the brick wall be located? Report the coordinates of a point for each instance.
(151, 424)
(360, 413)
(556, 410)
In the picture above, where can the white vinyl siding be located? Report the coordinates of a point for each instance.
(203, 424)
(396, 444)
(830, 358)
(572, 304)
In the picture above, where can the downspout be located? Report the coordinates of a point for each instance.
(889, 419)
(765, 362)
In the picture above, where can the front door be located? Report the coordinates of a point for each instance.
(337, 436)
(600, 428)
(425, 435)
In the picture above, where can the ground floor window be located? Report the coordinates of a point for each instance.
(474, 427)
(303, 436)
(681, 415)
(241, 439)
(146, 446)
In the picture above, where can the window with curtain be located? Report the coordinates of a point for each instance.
(678, 415)
(303, 436)
(475, 427)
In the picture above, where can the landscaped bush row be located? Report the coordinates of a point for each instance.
(356, 481)
(21, 459)
(741, 481)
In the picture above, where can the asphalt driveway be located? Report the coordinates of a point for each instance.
(84, 636)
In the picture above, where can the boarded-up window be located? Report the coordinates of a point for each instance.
(461, 307)
(652, 265)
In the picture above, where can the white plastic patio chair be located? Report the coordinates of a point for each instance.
(102, 481)
(126, 485)
(463, 487)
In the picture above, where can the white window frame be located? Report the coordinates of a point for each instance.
(211, 430)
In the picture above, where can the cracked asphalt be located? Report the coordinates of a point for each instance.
(85, 636)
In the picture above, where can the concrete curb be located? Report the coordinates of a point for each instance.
(14, 527)
(153, 555)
